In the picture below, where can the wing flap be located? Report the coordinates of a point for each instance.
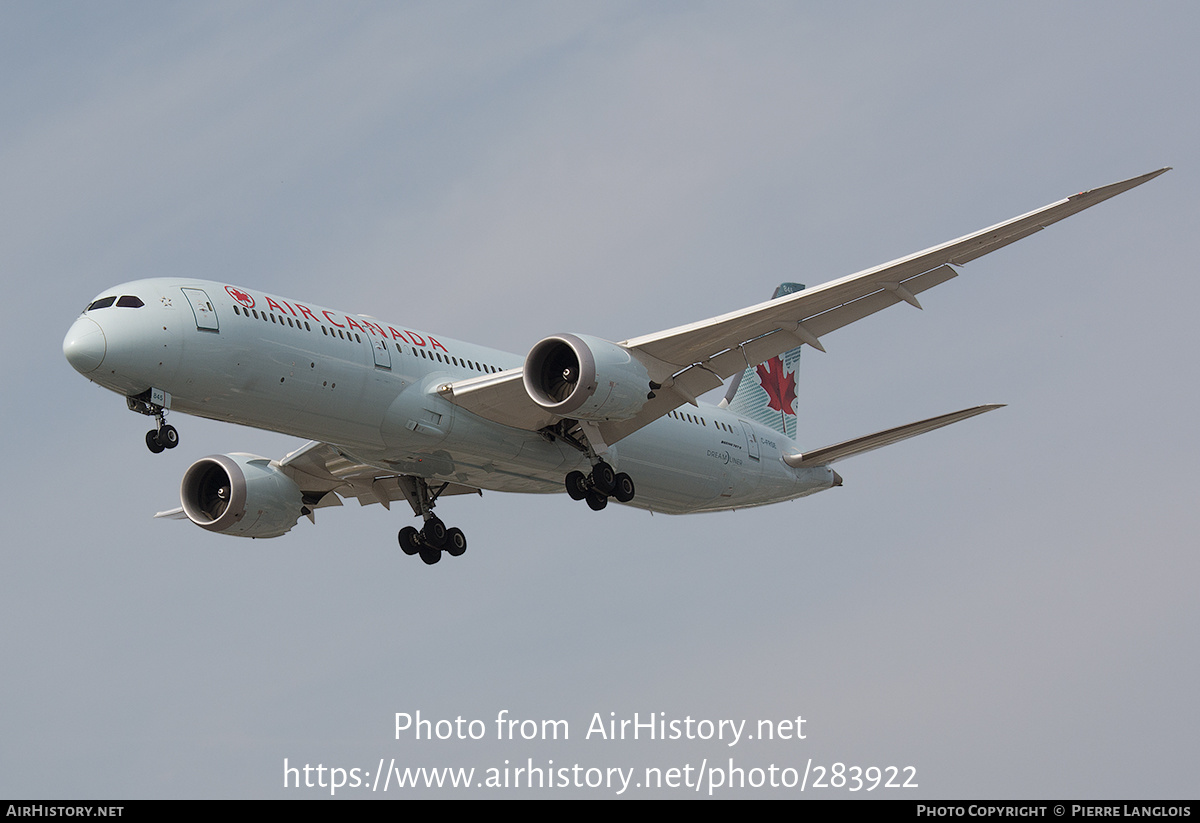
(870, 442)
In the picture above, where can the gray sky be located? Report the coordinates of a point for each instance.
(1008, 605)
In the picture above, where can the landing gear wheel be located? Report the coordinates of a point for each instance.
(430, 555)
(410, 540)
(152, 442)
(167, 437)
(434, 534)
(596, 501)
(456, 542)
(623, 488)
(577, 486)
(603, 477)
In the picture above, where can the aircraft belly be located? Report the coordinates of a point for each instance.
(680, 468)
(674, 466)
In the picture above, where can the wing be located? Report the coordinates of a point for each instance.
(326, 475)
(690, 360)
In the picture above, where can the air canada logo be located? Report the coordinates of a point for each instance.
(780, 387)
(240, 296)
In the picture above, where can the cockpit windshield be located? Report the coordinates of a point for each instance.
(126, 301)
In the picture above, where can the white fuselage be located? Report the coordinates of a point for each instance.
(370, 388)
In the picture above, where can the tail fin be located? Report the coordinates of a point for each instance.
(766, 393)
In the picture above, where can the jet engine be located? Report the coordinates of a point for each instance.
(585, 378)
(240, 494)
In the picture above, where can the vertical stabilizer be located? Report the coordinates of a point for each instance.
(766, 393)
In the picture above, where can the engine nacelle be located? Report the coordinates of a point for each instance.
(585, 378)
(240, 494)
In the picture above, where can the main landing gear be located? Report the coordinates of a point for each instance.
(163, 435)
(433, 538)
(600, 484)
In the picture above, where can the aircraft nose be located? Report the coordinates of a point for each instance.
(84, 346)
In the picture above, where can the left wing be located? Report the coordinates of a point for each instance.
(326, 476)
(692, 359)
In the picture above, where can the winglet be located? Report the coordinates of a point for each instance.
(1113, 189)
(1093, 196)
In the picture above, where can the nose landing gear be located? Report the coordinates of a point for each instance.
(162, 436)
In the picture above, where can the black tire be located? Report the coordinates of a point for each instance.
(577, 486)
(596, 501)
(434, 534)
(168, 438)
(456, 542)
(430, 555)
(623, 489)
(410, 540)
(603, 478)
(152, 442)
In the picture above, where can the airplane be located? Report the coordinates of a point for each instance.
(394, 413)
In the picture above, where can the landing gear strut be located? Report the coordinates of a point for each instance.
(163, 435)
(433, 538)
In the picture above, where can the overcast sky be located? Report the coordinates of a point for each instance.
(1008, 605)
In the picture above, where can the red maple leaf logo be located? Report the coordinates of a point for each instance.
(240, 296)
(780, 387)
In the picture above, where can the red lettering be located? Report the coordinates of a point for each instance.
(438, 345)
(307, 312)
(417, 339)
(352, 324)
(293, 311)
(274, 305)
(375, 327)
(331, 320)
(397, 335)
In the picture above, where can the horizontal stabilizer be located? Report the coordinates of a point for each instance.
(849, 448)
